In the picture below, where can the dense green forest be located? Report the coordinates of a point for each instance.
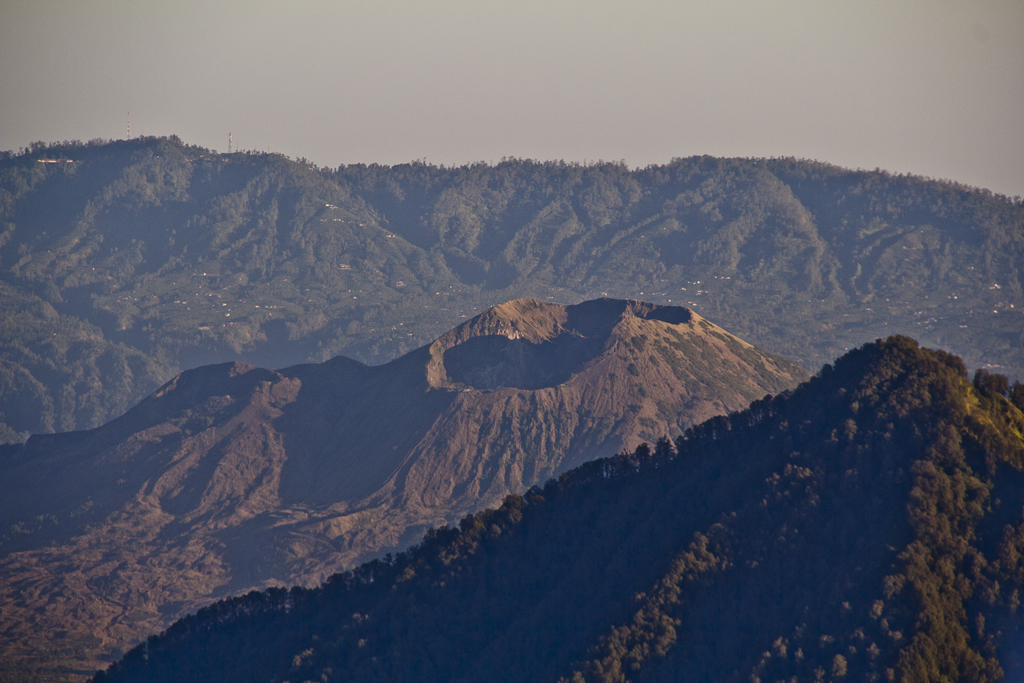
(123, 262)
(866, 526)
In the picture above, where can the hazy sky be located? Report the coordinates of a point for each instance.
(933, 87)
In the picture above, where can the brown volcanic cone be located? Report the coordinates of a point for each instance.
(232, 477)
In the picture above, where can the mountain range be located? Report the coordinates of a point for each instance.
(232, 477)
(867, 526)
(123, 263)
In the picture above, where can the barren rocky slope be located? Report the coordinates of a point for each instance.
(233, 476)
(865, 527)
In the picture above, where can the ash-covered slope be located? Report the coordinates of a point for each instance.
(232, 477)
(866, 527)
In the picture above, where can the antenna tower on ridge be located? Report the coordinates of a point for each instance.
(129, 125)
(229, 143)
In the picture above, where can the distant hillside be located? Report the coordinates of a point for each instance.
(869, 526)
(123, 263)
(232, 477)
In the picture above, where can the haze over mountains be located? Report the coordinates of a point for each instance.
(232, 476)
(122, 263)
(866, 527)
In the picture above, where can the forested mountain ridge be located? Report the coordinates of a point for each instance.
(123, 262)
(232, 477)
(868, 526)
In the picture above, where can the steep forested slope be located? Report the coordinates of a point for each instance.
(140, 258)
(123, 262)
(867, 526)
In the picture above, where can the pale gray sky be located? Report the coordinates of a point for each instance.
(930, 87)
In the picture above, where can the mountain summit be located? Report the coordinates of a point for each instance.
(231, 476)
